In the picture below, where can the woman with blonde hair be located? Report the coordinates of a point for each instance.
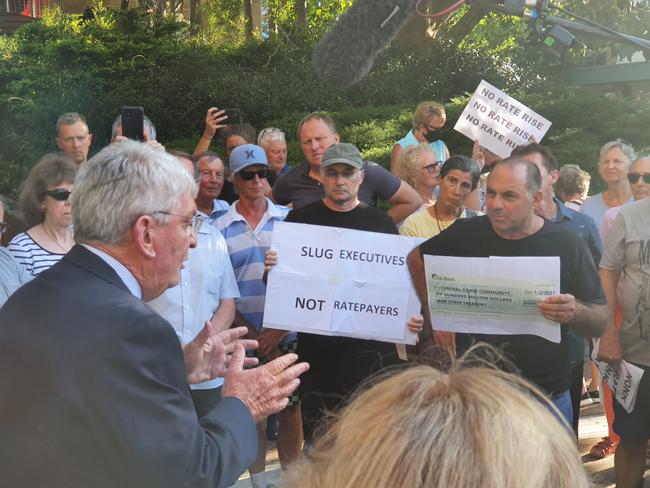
(428, 119)
(470, 427)
(419, 167)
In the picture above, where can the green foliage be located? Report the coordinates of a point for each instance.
(625, 16)
(582, 123)
(122, 58)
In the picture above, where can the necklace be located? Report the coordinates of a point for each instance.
(439, 223)
(54, 239)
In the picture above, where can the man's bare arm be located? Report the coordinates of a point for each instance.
(610, 349)
(416, 269)
(224, 315)
(587, 319)
(405, 201)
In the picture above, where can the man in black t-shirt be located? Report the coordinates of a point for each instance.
(339, 364)
(303, 184)
(511, 228)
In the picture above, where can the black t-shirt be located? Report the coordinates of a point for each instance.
(540, 361)
(362, 217)
(300, 189)
(338, 364)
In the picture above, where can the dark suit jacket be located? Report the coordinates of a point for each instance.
(93, 391)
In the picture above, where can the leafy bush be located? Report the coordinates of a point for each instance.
(582, 123)
(95, 67)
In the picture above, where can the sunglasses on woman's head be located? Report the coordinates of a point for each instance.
(59, 194)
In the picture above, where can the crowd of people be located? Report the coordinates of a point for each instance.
(132, 338)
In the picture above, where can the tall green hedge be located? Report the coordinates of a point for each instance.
(582, 123)
(95, 67)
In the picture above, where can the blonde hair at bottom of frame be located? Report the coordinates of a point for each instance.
(468, 427)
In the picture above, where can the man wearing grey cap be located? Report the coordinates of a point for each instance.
(340, 363)
(248, 229)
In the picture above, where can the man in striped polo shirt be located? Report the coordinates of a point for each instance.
(248, 229)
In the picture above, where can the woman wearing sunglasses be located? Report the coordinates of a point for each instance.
(45, 201)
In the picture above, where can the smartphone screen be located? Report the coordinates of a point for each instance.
(133, 123)
(234, 116)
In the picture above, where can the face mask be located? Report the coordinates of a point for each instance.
(432, 135)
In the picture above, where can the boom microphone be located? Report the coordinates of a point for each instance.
(346, 53)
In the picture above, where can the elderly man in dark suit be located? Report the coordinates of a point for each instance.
(94, 384)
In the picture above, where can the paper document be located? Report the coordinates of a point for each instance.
(624, 382)
(343, 282)
(496, 295)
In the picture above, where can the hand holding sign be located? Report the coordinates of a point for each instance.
(343, 282)
(499, 121)
(270, 260)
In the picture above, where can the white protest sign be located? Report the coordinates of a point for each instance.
(496, 295)
(624, 382)
(343, 282)
(500, 122)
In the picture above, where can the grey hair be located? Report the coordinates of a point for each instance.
(147, 126)
(407, 162)
(209, 156)
(119, 184)
(624, 146)
(270, 134)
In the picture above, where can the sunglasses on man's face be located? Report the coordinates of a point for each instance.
(59, 194)
(249, 175)
(635, 177)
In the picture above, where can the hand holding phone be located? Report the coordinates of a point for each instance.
(234, 116)
(133, 123)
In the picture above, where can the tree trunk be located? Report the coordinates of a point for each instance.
(253, 12)
(301, 13)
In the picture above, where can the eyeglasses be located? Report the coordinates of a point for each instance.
(431, 168)
(249, 175)
(346, 173)
(635, 177)
(59, 194)
(192, 223)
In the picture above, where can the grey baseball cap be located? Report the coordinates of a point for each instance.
(342, 153)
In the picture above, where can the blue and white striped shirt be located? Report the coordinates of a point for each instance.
(31, 256)
(247, 248)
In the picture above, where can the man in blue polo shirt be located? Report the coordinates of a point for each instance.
(207, 291)
(248, 229)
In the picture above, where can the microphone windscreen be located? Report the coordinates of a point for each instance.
(346, 53)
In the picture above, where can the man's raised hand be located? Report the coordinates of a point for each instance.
(265, 389)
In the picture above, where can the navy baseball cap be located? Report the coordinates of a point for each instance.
(247, 155)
